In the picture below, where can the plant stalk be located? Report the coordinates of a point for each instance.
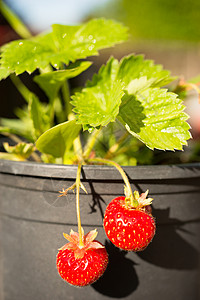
(91, 142)
(115, 147)
(77, 142)
(66, 96)
(22, 89)
(14, 21)
(81, 244)
(133, 201)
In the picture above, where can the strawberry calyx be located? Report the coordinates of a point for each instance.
(88, 242)
(138, 201)
(142, 199)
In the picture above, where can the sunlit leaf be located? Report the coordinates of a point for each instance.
(98, 103)
(51, 82)
(135, 67)
(156, 117)
(62, 45)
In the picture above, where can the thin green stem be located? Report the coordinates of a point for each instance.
(23, 90)
(78, 183)
(90, 144)
(66, 96)
(77, 142)
(36, 157)
(129, 192)
(19, 27)
(78, 148)
(115, 147)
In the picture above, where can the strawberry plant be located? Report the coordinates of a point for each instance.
(130, 94)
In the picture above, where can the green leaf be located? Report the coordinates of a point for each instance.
(22, 128)
(64, 44)
(40, 114)
(98, 103)
(134, 67)
(36, 115)
(22, 150)
(59, 139)
(51, 82)
(27, 55)
(8, 156)
(85, 40)
(155, 117)
(4, 72)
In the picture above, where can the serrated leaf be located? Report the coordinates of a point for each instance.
(98, 103)
(134, 67)
(64, 44)
(156, 117)
(4, 72)
(27, 55)
(58, 140)
(51, 82)
(132, 75)
(86, 39)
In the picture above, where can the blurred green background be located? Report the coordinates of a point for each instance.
(157, 20)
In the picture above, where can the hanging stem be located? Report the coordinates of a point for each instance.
(129, 192)
(81, 244)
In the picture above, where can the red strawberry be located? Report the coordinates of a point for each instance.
(82, 265)
(127, 227)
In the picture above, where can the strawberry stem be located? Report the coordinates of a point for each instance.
(81, 244)
(129, 193)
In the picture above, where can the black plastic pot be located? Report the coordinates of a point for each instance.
(33, 219)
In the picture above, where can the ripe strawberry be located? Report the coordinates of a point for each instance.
(82, 265)
(127, 227)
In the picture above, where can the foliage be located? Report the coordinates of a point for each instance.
(128, 92)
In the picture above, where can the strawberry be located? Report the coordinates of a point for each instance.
(127, 227)
(81, 265)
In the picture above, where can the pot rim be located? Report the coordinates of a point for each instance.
(99, 172)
